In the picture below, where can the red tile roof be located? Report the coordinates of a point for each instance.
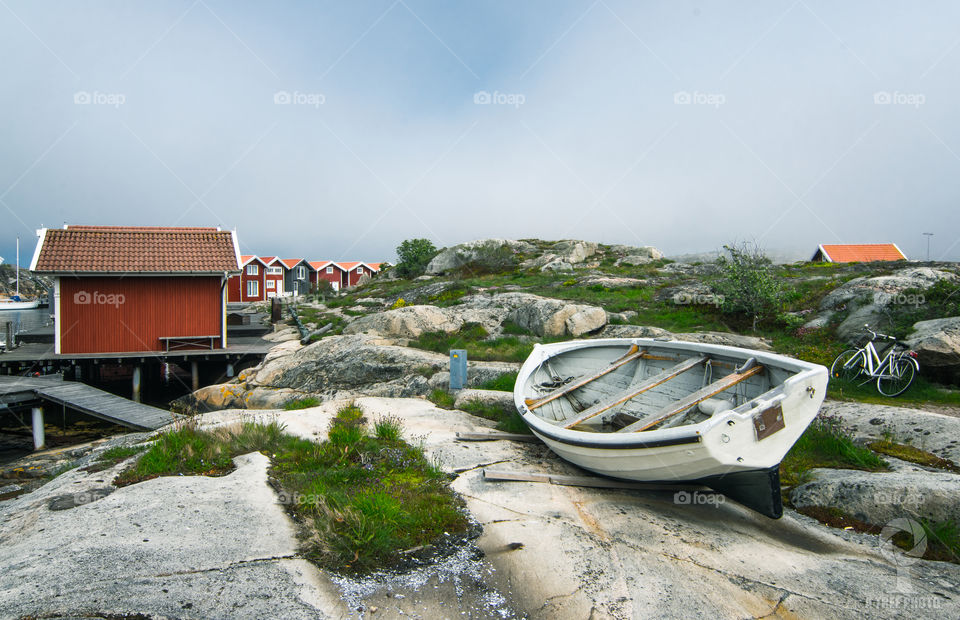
(321, 264)
(864, 252)
(116, 249)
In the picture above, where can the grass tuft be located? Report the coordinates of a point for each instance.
(503, 383)
(825, 444)
(442, 398)
(365, 500)
(303, 403)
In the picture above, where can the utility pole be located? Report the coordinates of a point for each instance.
(928, 235)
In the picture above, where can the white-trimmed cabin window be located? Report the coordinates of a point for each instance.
(253, 288)
(360, 270)
(253, 270)
(271, 284)
(301, 273)
(330, 269)
(274, 271)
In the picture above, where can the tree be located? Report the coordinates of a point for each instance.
(746, 284)
(414, 255)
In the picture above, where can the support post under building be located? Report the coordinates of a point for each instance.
(136, 383)
(39, 441)
(194, 376)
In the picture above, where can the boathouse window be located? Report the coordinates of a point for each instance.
(253, 270)
(330, 269)
(274, 271)
(253, 289)
(271, 284)
(301, 273)
(360, 270)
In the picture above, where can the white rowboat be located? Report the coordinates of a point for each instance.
(669, 411)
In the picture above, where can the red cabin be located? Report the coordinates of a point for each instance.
(250, 283)
(273, 280)
(126, 289)
(354, 271)
(331, 272)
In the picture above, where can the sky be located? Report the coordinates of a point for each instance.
(335, 130)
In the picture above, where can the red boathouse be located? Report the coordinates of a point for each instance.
(127, 289)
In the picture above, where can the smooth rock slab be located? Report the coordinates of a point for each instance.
(880, 497)
(934, 432)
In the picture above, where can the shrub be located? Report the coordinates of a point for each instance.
(747, 285)
(303, 403)
(400, 303)
(414, 255)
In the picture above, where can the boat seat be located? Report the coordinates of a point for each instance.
(712, 406)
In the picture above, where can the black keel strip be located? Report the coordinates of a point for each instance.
(758, 489)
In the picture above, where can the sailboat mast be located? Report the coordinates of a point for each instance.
(18, 265)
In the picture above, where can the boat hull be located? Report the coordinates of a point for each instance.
(721, 451)
(19, 305)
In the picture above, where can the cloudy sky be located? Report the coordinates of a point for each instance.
(338, 129)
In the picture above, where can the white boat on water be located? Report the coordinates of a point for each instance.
(669, 411)
(15, 302)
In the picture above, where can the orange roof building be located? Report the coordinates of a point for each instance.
(857, 253)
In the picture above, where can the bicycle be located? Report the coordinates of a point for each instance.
(894, 373)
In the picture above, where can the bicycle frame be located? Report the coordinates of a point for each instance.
(874, 365)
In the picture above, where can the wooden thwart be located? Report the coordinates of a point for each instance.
(633, 353)
(690, 400)
(635, 390)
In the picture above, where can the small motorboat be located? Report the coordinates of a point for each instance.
(669, 411)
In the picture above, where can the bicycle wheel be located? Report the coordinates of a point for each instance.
(898, 377)
(848, 365)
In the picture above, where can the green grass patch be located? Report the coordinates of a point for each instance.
(303, 403)
(825, 444)
(112, 456)
(507, 421)
(442, 398)
(364, 497)
(906, 452)
(503, 383)
(475, 339)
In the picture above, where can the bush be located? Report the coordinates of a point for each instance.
(414, 255)
(747, 285)
(488, 259)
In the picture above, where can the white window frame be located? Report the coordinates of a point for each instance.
(253, 270)
(330, 269)
(360, 271)
(271, 284)
(274, 271)
(253, 288)
(301, 273)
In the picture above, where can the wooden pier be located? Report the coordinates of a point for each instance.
(35, 392)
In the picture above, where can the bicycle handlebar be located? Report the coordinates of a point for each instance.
(874, 335)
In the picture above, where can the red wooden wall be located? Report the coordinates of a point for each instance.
(237, 285)
(117, 315)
